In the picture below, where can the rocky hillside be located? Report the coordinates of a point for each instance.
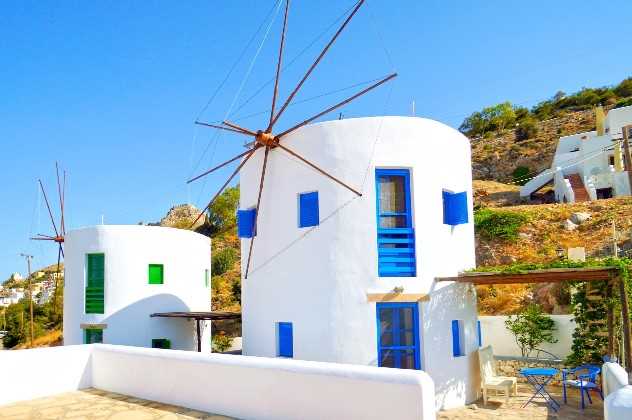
(541, 232)
(497, 157)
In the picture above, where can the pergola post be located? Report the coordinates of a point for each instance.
(625, 314)
(610, 322)
(199, 335)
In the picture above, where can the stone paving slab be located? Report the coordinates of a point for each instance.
(96, 404)
(497, 408)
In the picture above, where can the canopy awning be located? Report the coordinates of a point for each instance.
(199, 316)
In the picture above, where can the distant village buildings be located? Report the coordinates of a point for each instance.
(591, 165)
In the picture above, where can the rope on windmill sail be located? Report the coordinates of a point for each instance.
(241, 86)
(293, 60)
(322, 95)
(380, 38)
(225, 80)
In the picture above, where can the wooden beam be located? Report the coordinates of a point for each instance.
(536, 276)
(397, 297)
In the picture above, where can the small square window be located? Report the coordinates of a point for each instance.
(160, 343)
(156, 274)
(92, 336)
(206, 276)
(308, 209)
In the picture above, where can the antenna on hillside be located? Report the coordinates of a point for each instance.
(268, 141)
(60, 232)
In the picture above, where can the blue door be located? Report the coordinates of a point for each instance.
(398, 335)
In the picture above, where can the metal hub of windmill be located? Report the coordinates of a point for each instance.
(267, 140)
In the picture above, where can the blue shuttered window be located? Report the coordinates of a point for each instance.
(246, 223)
(395, 233)
(308, 209)
(479, 334)
(457, 338)
(285, 339)
(455, 208)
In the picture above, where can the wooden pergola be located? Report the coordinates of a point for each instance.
(199, 316)
(558, 275)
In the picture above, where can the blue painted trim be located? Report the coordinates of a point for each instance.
(480, 335)
(246, 223)
(395, 314)
(457, 349)
(400, 261)
(308, 212)
(455, 208)
(285, 335)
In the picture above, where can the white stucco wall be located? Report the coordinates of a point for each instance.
(237, 386)
(129, 298)
(318, 278)
(496, 334)
(36, 373)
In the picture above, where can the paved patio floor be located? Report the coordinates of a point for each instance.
(97, 404)
(497, 408)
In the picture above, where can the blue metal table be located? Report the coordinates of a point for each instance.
(539, 379)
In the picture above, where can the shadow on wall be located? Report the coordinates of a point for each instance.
(133, 326)
(446, 304)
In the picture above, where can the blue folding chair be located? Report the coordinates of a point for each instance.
(584, 378)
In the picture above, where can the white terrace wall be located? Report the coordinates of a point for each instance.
(35, 373)
(496, 334)
(238, 386)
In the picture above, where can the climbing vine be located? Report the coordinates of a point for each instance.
(590, 302)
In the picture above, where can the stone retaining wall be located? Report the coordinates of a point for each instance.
(510, 366)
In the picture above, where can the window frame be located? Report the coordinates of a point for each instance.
(416, 347)
(149, 273)
(383, 172)
(88, 331)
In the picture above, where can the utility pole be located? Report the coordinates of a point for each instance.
(28, 263)
(627, 161)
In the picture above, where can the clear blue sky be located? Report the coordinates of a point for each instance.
(111, 89)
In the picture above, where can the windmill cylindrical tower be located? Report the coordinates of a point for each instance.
(117, 276)
(322, 285)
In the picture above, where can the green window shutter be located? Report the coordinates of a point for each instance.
(92, 335)
(156, 274)
(206, 277)
(95, 273)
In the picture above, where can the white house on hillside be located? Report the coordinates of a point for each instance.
(340, 278)
(117, 276)
(588, 166)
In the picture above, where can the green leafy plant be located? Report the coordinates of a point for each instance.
(500, 224)
(520, 175)
(531, 328)
(221, 342)
(223, 261)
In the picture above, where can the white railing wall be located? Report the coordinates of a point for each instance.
(618, 403)
(238, 386)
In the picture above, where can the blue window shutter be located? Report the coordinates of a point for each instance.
(456, 339)
(245, 223)
(480, 335)
(455, 208)
(286, 347)
(308, 209)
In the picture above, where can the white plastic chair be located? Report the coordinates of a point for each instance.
(490, 381)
